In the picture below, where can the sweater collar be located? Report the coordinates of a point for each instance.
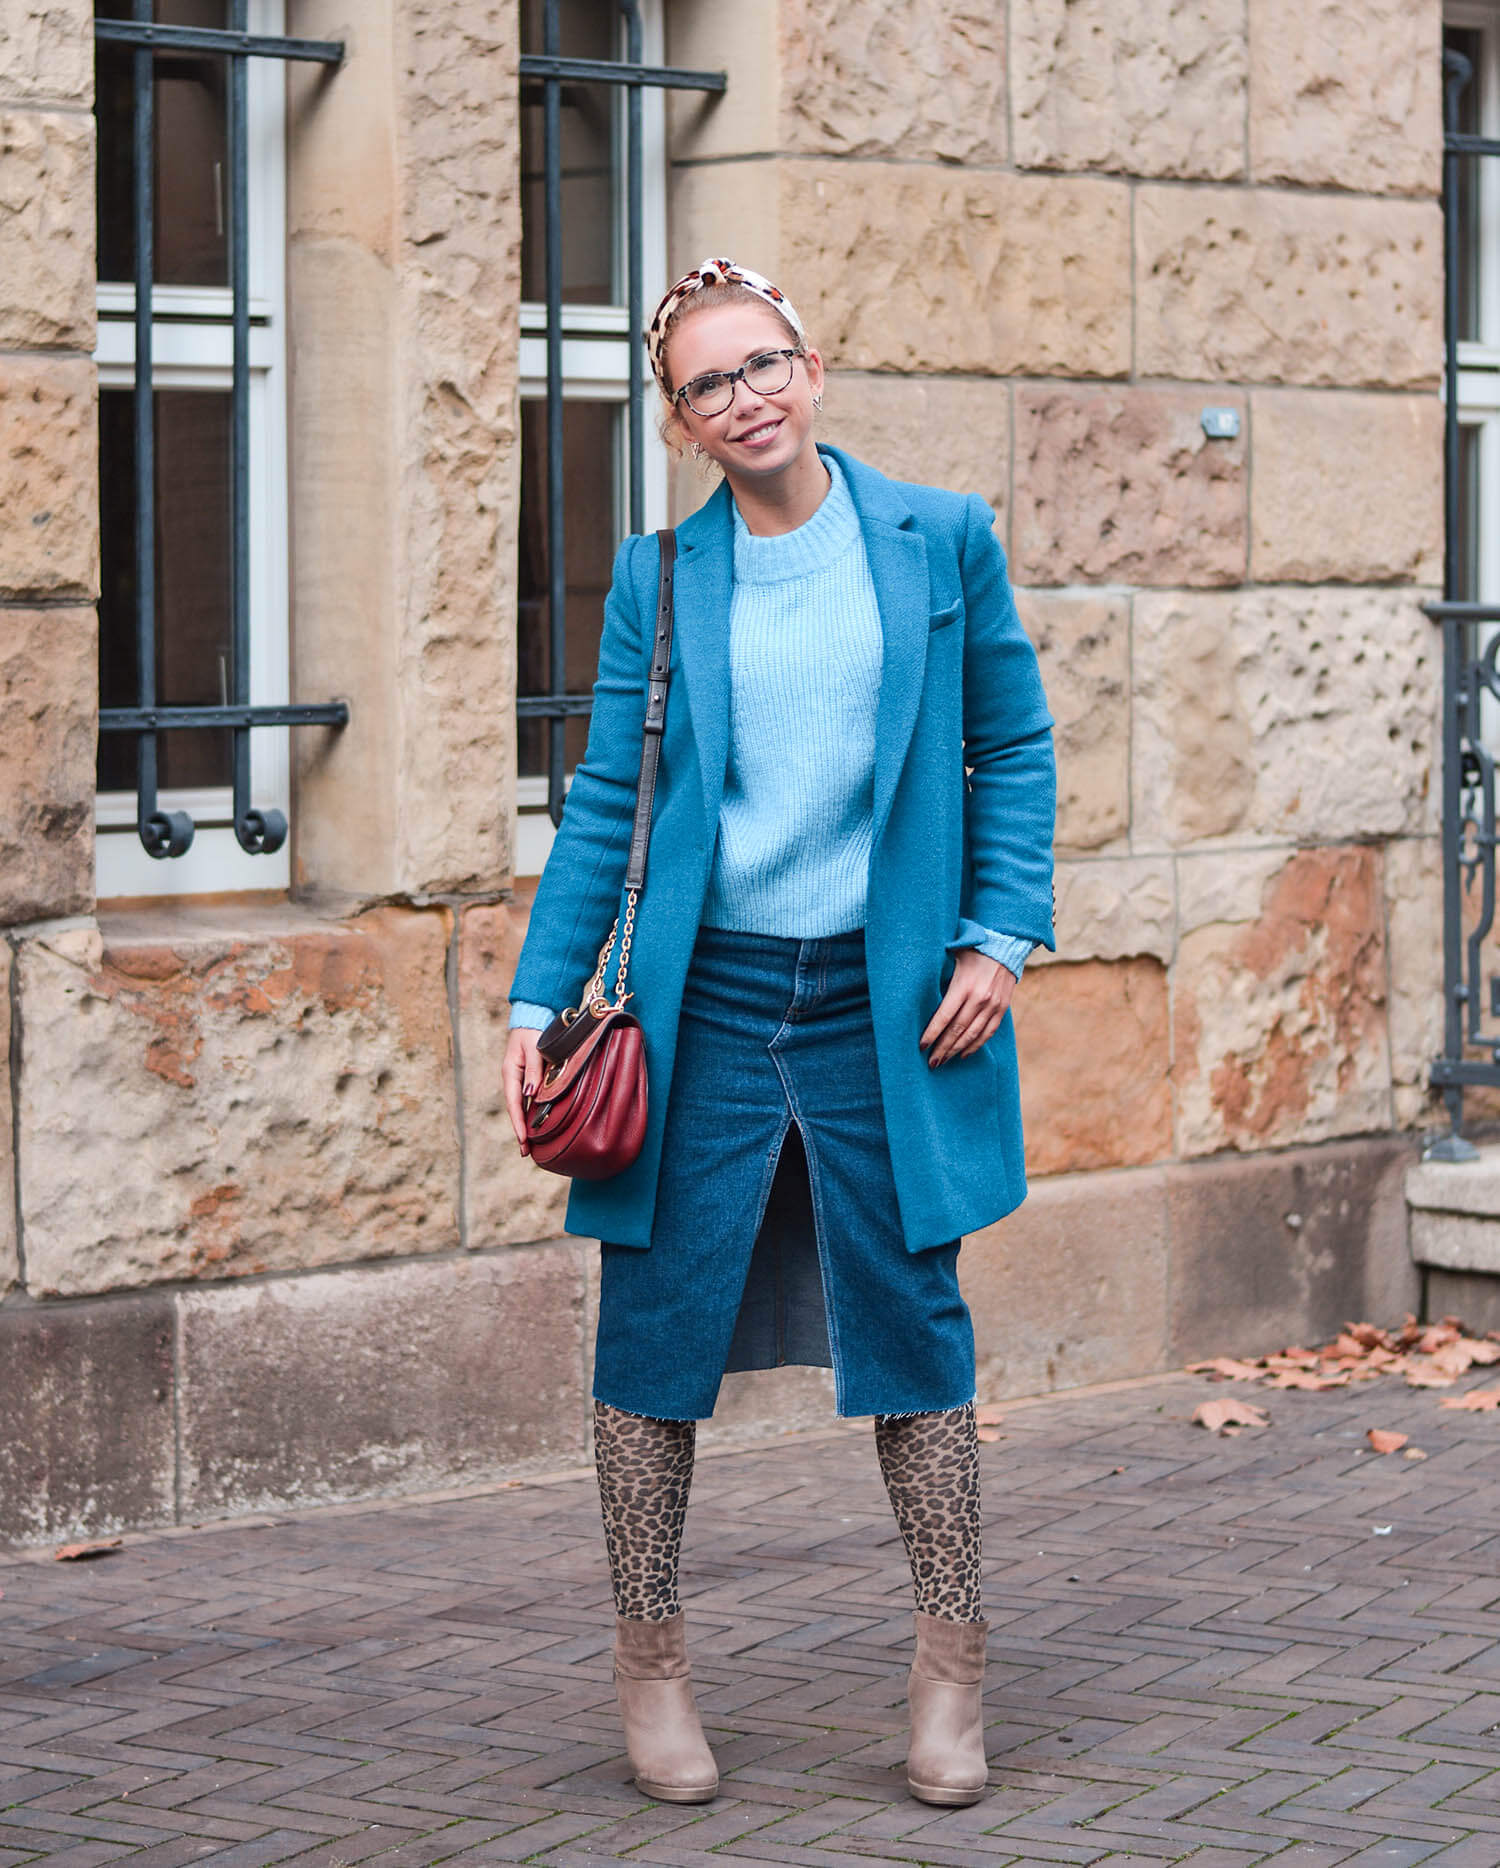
(812, 546)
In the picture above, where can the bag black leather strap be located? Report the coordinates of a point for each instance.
(656, 716)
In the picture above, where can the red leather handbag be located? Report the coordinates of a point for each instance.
(587, 1116)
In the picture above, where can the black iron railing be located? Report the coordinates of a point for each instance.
(1469, 675)
(170, 833)
(554, 71)
(1471, 1054)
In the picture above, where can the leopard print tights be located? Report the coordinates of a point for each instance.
(930, 1464)
(645, 1470)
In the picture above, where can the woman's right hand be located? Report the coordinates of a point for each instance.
(520, 1073)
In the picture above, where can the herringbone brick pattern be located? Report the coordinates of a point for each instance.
(1280, 1647)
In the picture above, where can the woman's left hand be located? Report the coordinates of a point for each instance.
(977, 998)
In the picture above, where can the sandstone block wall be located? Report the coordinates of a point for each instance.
(49, 533)
(1177, 207)
(404, 262)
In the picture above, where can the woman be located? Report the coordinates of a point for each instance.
(850, 861)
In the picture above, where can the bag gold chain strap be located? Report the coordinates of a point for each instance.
(595, 1000)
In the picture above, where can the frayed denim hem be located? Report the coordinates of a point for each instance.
(915, 1413)
(639, 1413)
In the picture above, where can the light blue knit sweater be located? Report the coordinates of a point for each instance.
(795, 824)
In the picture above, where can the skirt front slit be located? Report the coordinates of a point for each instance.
(777, 1237)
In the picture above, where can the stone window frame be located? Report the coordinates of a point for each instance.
(192, 349)
(595, 365)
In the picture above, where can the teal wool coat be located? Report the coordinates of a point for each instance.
(965, 794)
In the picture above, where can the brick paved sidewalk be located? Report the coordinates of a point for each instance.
(1279, 1647)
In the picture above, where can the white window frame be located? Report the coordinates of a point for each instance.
(192, 348)
(596, 363)
(1479, 359)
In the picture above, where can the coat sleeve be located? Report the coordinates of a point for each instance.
(580, 890)
(1012, 795)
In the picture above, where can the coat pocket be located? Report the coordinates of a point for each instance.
(940, 619)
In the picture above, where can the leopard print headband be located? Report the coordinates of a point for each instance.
(712, 272)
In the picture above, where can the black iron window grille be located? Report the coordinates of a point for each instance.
(556, 81)
(166, 833)
(1471, 640)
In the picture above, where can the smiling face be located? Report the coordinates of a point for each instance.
(757, 436)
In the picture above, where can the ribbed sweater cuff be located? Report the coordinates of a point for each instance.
(527, 1017)
(1012, 951)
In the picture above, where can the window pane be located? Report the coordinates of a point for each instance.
(190, 183)
(1469, 437)
(590, 470)
(590, 188)
(192, 579)
(1470, 43)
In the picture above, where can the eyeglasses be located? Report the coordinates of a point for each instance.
(765, 375)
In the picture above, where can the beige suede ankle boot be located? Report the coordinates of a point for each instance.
(668, 1752)
(946, 1762)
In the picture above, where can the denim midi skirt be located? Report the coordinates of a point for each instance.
(777, 1237)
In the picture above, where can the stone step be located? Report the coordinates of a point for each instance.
(1454, 1209)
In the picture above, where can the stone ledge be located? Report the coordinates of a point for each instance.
(1470, 1187)
(1455, 1207)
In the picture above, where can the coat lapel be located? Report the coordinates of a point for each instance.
(897, 555)
(703, 587)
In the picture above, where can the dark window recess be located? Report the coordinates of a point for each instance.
(192, 634)
(1468, 42)
(190, 108)
(591, 434)
(580, 112)
(173, 201)
(590, 181)
(1468, 514)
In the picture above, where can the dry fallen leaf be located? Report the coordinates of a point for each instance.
(1431, 1355)
(1220, 1416)
(1418, 1377)
(989, 1414)
(1384, 1441)
(1476, 1401)
(1414, 1452)
(75, 1553)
